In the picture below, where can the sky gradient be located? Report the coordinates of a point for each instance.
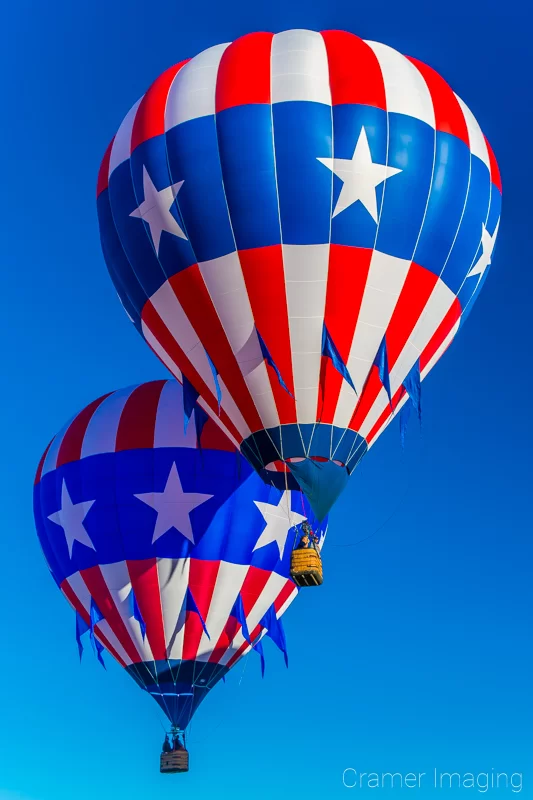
(417, 652)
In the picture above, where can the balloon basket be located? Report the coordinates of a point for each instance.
(306, 567)
(175, 761)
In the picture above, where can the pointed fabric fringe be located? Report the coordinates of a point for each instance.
(381, 361)
(270, 361)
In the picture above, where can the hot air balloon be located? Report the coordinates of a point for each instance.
(173, 552)
(298, 224)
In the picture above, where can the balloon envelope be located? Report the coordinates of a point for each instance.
(179, 553)
(295, 222)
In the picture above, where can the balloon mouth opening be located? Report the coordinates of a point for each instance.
(285, 466)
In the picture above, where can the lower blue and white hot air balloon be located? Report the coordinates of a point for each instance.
(173, 552)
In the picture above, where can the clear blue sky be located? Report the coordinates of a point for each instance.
(417, 652)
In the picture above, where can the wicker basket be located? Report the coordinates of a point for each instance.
(175, 761)
(306, 567)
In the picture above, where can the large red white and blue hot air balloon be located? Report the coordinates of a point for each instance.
(297, 224)
(171, 549)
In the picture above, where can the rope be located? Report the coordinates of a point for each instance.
(388, 519)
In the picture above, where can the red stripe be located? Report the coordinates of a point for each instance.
(413, 298)
(347, 277)
(449, 117)
(396, 397)
(284, 595)
(427, 354)
(94, 580)
(158, 329)
(252, 587)
(494, 169)
(145, 584)
(225, 639)
(78, 606)
(214, 438)
(150, 117)
(136, 428)
(41, 463)
(264, 277)
(202, 580)
(251, 590)
(354, 71)
(70, 447)
(194, 298)
(103, 173)
(244, 72)
(441, 333)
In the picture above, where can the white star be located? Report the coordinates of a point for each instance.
(487, 244)
(155, 209)
(279, 520)
(359, 176)
(70, 517)
(173, 506)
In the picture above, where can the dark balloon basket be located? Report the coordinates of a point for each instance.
(175, 761)
(306, 567)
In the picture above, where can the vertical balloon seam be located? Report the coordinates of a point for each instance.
(236, 250)
(133, 272)
(319, 399)
(276, 183)
(198, 262)
(120, 531)
(222, 160)
(463, 310)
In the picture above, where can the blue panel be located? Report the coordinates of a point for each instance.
(175, 253)
(302, 134)
(354, 226)
(128, 288)
(473, 285)
(322, 482)
(193, 157)
(121, 526)
(446, 202)
(178, 686)
(466, 245)
(247, 159)
(411, 149)
(133, 233)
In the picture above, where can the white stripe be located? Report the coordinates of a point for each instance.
(282, 609)
(79, 587)
(101, 433)
(385, 281)
(429, 366)
(299, 67)
(230, 578)
(271, 590)
(439, 303)
(192, 93)
(169, 421)
(118, 581)
(441, 350)
(50, 461)
(173, 576)
(177, 323)
(306, 276)
(406, 91)
(225, 283)
(175, 370)
(478, 145)
(121, 147)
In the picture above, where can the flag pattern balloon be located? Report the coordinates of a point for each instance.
(171, 549)
(294, 222)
